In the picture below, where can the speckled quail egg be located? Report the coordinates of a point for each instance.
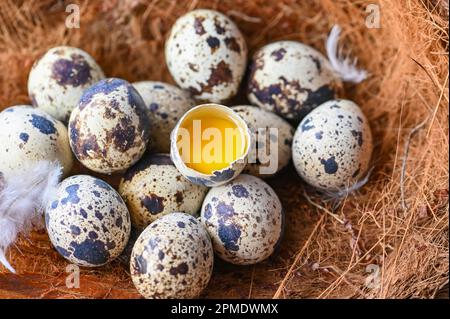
(154, 187)
(87, 221)
(57, 80)
(290, 78)
(172, 258)
(207, 55)
(165, 104)
(271, 151)
(29, 135)
(244, 219)
(109, 129)
(332, 146)
(207, 154)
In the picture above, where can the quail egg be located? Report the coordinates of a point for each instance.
(290, 79)
(109, 129)
(165, 105)
(172, 258)
(244, 219)
(272, 138)
(87, 221)
(154, 187)
(210, 144)
(207, 55)
(29, 135)
(332, 146)
(57, 80)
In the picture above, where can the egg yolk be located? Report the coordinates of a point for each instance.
(210, 140)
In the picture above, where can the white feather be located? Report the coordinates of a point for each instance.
(339, 195)
(343, 65)
(23, 197)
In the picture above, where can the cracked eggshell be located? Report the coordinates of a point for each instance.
(218, 177)
(109, 129)
(165, 104)
(290, 79)
(244, 219)
(257, 118)
(172, 258)
(154, 188)
(207, 55)
(333, 145)
(87, 221)
(29, 135)
(57, 80)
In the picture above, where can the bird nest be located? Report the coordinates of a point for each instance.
(387, 240)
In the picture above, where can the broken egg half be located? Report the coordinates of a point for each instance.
(210, 144)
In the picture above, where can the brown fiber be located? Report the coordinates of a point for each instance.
(398, 221)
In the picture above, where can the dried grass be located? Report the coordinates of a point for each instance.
(398, 221)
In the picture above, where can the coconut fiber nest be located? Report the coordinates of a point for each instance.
(387, 240)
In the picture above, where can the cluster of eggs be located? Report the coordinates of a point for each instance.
(112, 123)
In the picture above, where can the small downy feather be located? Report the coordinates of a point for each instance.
(343, 65)
(338, 196)
(23, 197)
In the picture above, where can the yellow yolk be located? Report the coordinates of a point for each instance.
(209, 141)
